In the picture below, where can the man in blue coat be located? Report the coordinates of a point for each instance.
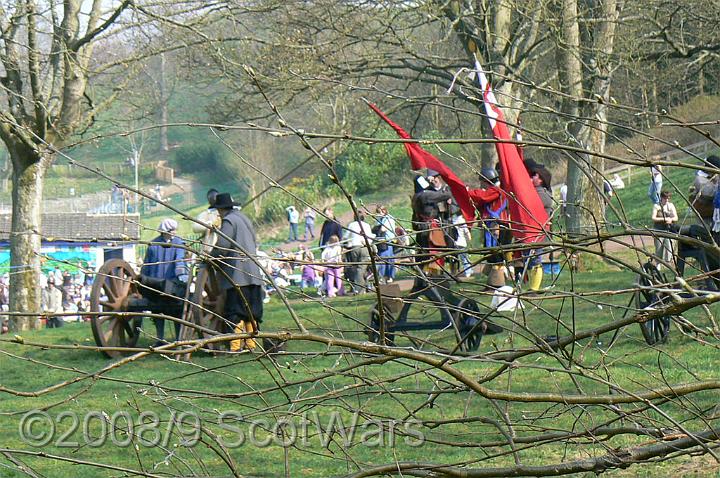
(165, 259)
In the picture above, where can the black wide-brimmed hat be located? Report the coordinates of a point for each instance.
(713, 160)
(225, 201)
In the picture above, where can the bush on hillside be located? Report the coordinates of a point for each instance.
(203, 157)
(365, 168)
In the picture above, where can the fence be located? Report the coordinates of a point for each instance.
(700, 149)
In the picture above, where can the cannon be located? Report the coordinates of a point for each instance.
(121, 293)
(427, 303)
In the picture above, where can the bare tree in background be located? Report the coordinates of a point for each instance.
(54, 86)
(46, 56)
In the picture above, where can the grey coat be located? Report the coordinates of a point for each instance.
(232, 259)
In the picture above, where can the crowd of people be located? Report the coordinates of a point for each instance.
(342, 253)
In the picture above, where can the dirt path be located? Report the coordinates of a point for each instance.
(623, 243)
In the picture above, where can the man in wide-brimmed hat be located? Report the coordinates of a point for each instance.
(211, 218)
(240, 276)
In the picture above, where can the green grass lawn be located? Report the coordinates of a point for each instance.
(394, 390)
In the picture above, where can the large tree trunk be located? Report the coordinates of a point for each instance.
(27, 180)
(586, 206)
(570, 75)
(164, 146)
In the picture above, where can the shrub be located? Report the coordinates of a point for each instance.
(365, 168)
(203, 157)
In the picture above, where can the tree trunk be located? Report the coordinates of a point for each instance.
(570, 75)
(586, 205)
(27, 180)
(163, 107)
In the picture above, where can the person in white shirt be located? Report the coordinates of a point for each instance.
(293, 219)
(616, 182)
(461, 243)
(357, 255)
(656, 181)
(332, 257)
(664, 215)
(384, 232)
(563, 199)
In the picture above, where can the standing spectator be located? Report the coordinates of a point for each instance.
(462, 242)
(240, 276)
(664, 215)
(385, 254)
(402, 242)
(331, 227)
(116, 198)
(384, 243)
(656, 181)
(67, 285)
(54, 300)
(386, 221)
(43, 285)
(332, 257)
(57, 276)
(165, 259)
(357, 255)
(608, 190)
(210, 217)
(293, 218)
(4, 297)
(309, 215)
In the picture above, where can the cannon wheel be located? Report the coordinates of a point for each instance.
(206, 308)
(114, 284)
(656, 330)
(468, 325)
(373, 328)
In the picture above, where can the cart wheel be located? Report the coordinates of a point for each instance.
(206, 308)
(656, 330)
(469, 324)
(373, 328)
(114, 284)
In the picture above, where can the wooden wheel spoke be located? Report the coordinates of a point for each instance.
(108, 304)
(124, 286)
(109, 292)
(118, 337)
(108, 329)
(111, 281)
(128, 328)
(100, 320)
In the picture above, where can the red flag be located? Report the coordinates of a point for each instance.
(526, 209)
(419, 159)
